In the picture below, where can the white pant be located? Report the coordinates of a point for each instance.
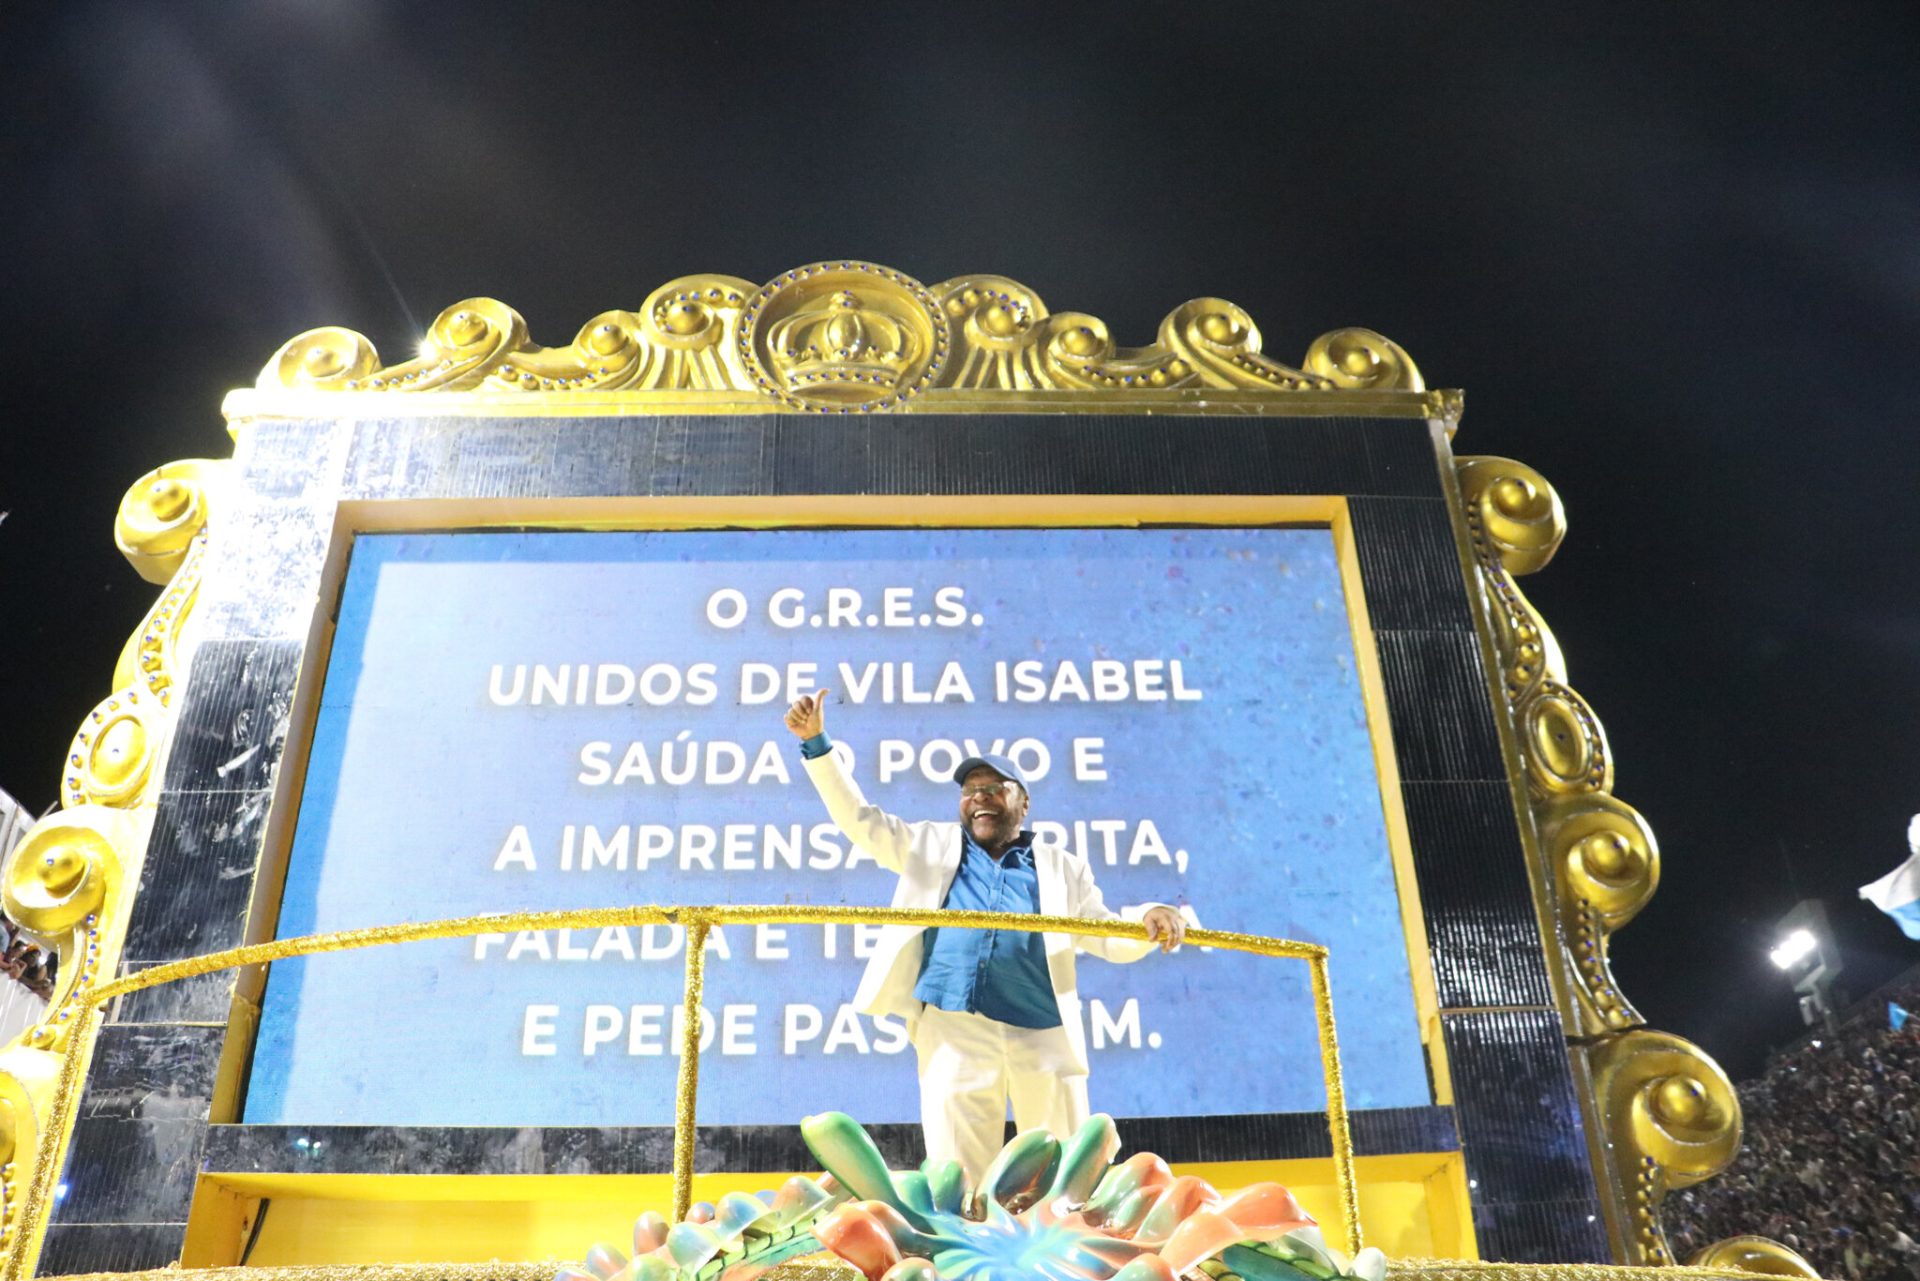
(971, 1064)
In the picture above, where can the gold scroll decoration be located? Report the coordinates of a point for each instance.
(845, 337)
(1604, 862)
(66, 884)
(1666, 1115)
(1673, 1120)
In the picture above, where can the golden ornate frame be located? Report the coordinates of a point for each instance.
(851, 337)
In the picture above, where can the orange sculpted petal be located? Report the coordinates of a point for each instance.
(1265, 1211)
(858, 1237)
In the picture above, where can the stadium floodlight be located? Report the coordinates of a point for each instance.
(1806, 953)
(1793, 949)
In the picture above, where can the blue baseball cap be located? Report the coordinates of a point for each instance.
(998, 764)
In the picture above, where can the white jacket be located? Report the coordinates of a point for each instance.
(926, 855)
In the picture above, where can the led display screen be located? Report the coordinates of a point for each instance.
(531, 720)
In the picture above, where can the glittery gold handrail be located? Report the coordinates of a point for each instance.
(697, 920)
(689, 1084)
(653, 914)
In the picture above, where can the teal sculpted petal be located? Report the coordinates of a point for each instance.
(1024, 1169)
(948, 1184)
(651, 1267)
(692, 1244)
(737, 1212)
(914, 1192)
(1133, 1208)
(1084, 1159)
(838, 1143)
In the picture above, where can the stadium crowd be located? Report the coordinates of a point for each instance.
(1830, 1165)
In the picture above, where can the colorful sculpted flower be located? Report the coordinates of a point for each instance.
(1044, 1211)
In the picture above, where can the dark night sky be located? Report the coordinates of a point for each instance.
(1672, 253)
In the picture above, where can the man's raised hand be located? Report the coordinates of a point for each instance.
(807, 716)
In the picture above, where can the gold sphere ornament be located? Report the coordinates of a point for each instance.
(606, 339)
(1355, 359)
(466, 328)
(322, 361)
(1080, 341)
(1681, 1101)
(1219, 327)
(1515, 496)
(685, 318)
(168, 499)
(62, 869)
(1606, 854)
(999, 320)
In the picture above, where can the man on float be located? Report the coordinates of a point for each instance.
(993, 1013)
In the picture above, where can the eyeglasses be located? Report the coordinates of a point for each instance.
(988, 789)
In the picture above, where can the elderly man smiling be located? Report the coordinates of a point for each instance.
(994, 1014)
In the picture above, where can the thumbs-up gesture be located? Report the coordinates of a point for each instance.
(807, 717)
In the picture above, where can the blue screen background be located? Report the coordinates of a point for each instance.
(1266, 786)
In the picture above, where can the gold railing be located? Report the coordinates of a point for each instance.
(697, 921)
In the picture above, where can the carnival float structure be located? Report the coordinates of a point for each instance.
(181, 1104)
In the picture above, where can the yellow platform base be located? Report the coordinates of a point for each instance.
(1411, 1206)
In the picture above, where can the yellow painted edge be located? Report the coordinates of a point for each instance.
(224, 1202)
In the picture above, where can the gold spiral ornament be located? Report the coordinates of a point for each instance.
(112, 758)
(57, 877)
(999, 334)
(159, 516)
(991, 313)
(1607, 866)
(689, 331)
(1072, 351)
(1564, 744)
(326, 359)
(695, 312)
(1361, 360)
(1606, 855)
(1513, 511)
(611, 351)
(1219, 337)
(1673, 1119)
